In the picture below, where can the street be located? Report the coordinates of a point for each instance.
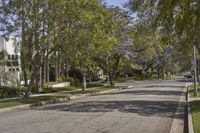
(147, 107)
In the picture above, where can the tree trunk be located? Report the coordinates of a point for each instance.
(42, 76)
(47, 71)
(44, 72)
(29, 87)
(56, 68)
(37, 80)
(151, 73)
(163, 73)
(67, 69)
(84, 85)
(108, 82)
(158, 72)
(111, 78)
(25, 78)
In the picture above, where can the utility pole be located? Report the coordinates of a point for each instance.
(194, 68)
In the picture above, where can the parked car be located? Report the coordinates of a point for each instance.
(188, 76)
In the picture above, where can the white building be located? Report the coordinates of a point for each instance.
(12, 66)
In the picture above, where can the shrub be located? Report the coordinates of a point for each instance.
(71, 80)
(53, 90)
(67, 79)
(8, 92)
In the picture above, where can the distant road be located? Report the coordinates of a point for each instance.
(148, 107)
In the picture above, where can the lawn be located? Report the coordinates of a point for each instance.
(195, 106)
(53, 90)
(191, 91)
(31, 100)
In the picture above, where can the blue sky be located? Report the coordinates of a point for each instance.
(116, 2)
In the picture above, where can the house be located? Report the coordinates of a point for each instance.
(10, 69)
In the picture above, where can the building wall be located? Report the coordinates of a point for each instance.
(13, 63)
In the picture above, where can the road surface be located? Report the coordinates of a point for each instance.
(148, 107)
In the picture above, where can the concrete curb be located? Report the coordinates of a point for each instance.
(59, 100)
(190, 122)
(177, 124)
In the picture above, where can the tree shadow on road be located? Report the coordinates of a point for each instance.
(146, 92)
(143, 108)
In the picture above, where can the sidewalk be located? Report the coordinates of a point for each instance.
(57, 100)
(46, 94)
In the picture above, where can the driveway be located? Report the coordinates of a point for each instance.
(148, 107)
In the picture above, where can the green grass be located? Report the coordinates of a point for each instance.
(191, 91)
(195, 106)
(53, 90)
(31, 100)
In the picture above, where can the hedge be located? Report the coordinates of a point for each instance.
(8, 92)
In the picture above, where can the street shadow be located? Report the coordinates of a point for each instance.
(163, 86)
(147, 92)
(183, 80)
(142, 108)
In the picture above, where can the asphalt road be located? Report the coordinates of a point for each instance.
(148, 107)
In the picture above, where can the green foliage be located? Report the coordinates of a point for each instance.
(7, 92)
(67, 79)
(53, 90)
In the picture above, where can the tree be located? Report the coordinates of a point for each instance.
(108, 56)
(71, 28)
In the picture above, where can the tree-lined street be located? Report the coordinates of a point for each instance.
(53, 51)
(149, 106)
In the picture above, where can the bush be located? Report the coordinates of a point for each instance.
(8, 92)
(67, 79)
(53, 90)
(71, 80)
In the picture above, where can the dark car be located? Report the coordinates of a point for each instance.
(188, 76)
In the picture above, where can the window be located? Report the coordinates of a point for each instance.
(13, 69)
(9, 69)
(9, 57)
(13, 57)
(16, 57)
(17, 69)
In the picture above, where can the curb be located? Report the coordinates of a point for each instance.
(59, 100)
(189, 115)
(177, 124)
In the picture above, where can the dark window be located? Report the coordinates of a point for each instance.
(9, 57)
(17, 69)
(9, 69)
(13, 57)
(13, 69)
(16, 57)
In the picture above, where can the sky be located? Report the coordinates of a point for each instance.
(115, 2)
